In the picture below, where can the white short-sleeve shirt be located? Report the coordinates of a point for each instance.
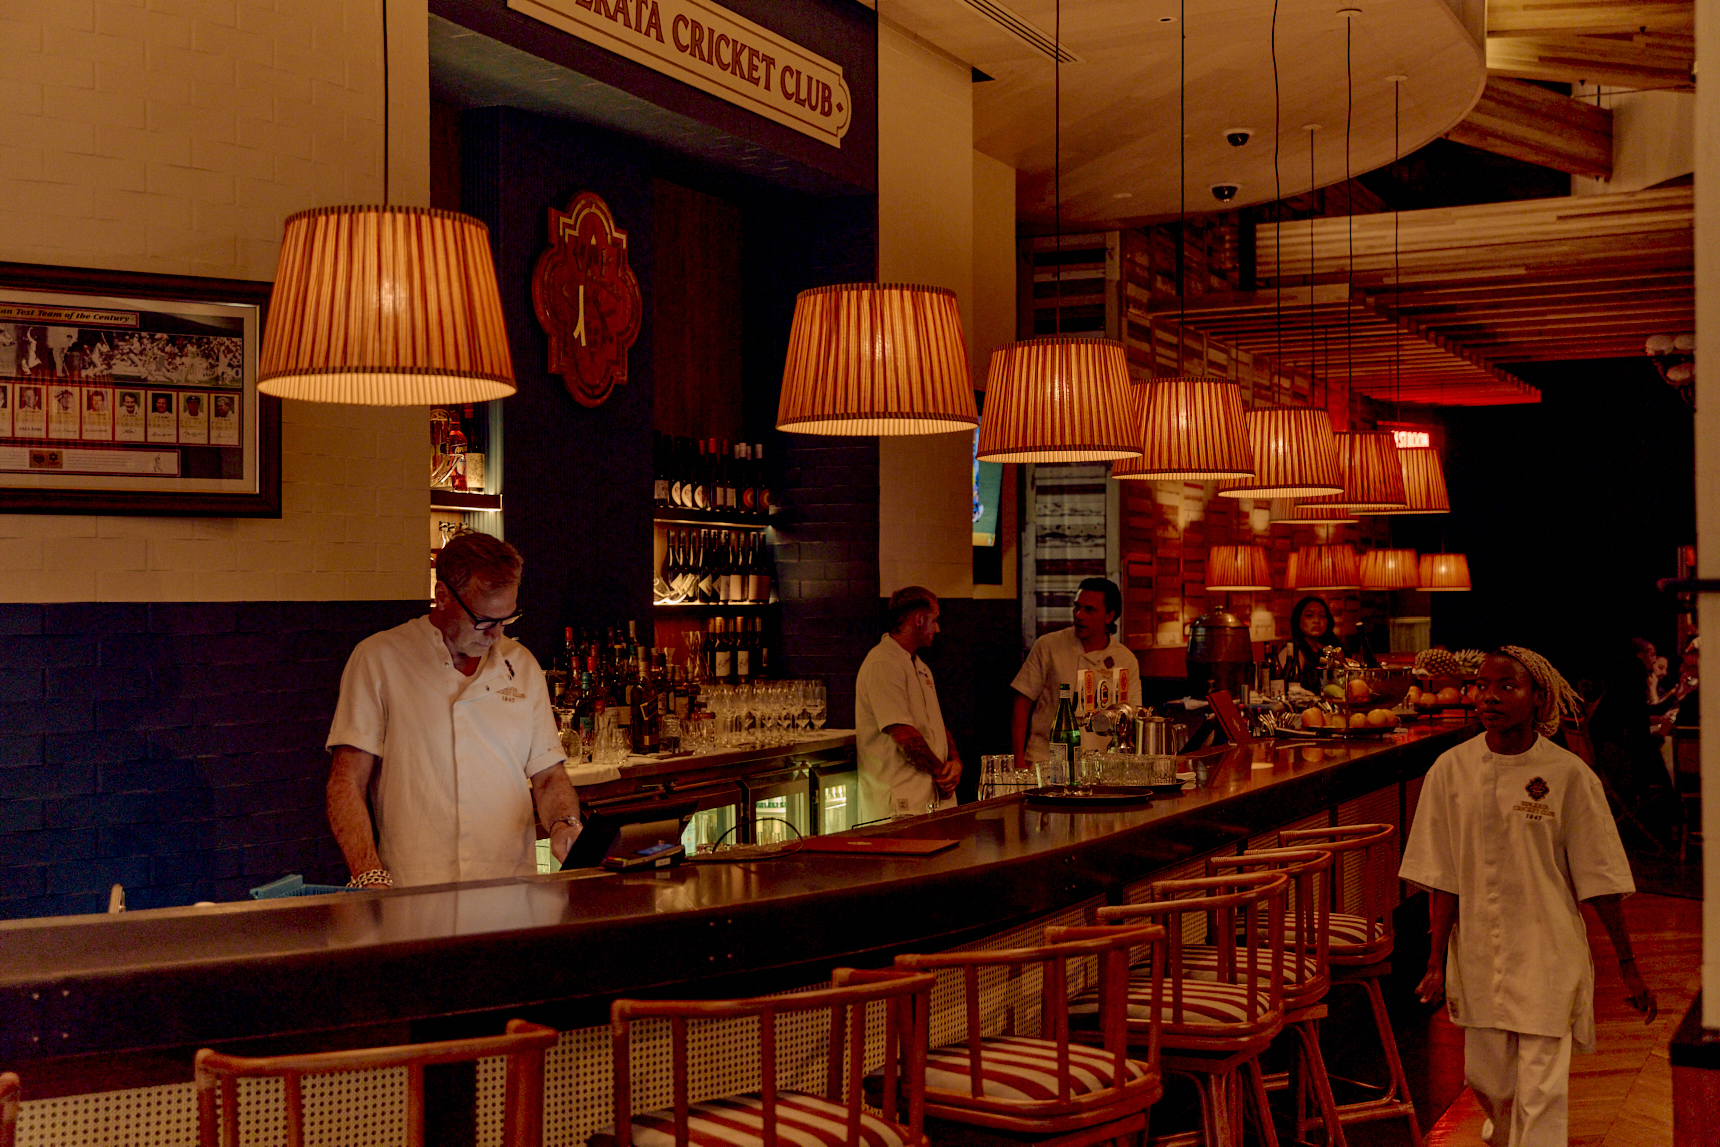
(451, 793)
(1054, 660)
(1520, 840)
(895, 688)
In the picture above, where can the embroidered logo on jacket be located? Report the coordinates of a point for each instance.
(510, 694)
(1536, 788)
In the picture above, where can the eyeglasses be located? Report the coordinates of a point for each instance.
(482, 624)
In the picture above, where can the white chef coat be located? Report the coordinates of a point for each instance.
(1520, 840)
(451, 794)
(1054, 660)
(895, 688)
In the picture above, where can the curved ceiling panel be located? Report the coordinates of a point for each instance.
(1119, 93)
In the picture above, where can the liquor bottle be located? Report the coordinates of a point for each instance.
(743, 653)
(1065, 733)
(642, 709)
(722, 660)
(766, 504)
(456, 448)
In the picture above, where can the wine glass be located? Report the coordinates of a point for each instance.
(818, 704)
(694, 639)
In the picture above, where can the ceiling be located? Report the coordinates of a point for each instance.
(1120, 93)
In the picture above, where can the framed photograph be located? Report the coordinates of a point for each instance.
(130, 393)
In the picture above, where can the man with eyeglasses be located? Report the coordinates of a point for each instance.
(444, 739)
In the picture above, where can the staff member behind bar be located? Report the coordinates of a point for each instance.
(908, 761)
(1055, 659)
(446, 724)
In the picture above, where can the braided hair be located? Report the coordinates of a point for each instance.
(1558, 698)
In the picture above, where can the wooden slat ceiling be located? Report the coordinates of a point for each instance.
(1615, 42)
(1544, 280)
(1349, 339)
(1528, 122)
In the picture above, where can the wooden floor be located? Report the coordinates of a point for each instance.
(1622, 1095)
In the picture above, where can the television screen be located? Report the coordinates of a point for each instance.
(987, 496)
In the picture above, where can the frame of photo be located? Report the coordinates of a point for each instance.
(224, 458)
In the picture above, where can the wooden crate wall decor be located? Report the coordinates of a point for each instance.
(587, 299)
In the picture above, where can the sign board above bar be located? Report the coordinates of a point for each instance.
(716, 51)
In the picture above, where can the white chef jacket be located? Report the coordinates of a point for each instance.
(1520, 840)
(451, 794)
(1054, 660)
(895, 688)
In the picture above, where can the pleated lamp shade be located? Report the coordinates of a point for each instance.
(1189, 429)
(1289, 512)
(1057, 399)
(385, 306)
(1238, 569)
(1294, 455)
(1390, 569)
(1423, 483)
(1323, 567)
(876, 358)
(1444, 573)
(1373, 476)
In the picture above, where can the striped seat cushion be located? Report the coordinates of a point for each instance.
(1024, 1070)
(1203, 1003)
(801, 1121)
(1347, 929)
(1201, 963)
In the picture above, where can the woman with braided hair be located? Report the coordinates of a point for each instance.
(1510, 834)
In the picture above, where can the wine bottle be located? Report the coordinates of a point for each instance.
(678, 474)
(735, 572)
(722, 661)
(766, 504)
(1065, 733)
(659, 470)
(746, 497)
(743, 652)
(721, 479)
(761, 651)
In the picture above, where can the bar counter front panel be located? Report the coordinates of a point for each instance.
(559, 947)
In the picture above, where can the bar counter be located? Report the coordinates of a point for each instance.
(557, 948)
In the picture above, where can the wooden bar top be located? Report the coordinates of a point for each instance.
(174, 977)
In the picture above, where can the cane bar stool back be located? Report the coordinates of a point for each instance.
(217, 1078)
(1049, 1087)
(774, 1116)
(1220, 1011)
(1307, 974)
(1364, 887)
(8, 1109)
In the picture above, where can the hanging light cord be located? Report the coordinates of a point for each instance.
(1397, 269)
(1278, 226)
(1350, 218)
(1057, 156)
(1182, 178)
(1313, 374)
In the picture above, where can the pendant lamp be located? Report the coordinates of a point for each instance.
(1189, 429)
(1289, 512)
(1324, 567)
(1373, 476)
(876, 358)
(1294, 455)
(385, 306)
(1238, 569)
(1057, 399)
(1444, 573)
(1390, 569)
(1423, 483)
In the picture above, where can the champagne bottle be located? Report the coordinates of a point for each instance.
(1065, 733)
(707, 585)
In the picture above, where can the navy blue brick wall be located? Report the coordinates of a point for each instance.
(174, 748)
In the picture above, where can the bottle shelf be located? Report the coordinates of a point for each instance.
(464, 500)
(694, 609)
(681, 517)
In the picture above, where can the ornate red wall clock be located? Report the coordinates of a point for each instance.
(587, 299)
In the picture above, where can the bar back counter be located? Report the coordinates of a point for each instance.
(114, 1005)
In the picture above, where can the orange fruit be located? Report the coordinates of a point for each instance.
(1313, 718)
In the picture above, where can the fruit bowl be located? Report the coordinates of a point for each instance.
(1365, 689)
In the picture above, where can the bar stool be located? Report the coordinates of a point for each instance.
(1220, 1013)
(1058, 1092)
(769, 1115)
(1307, 974)
(8, 1109)
(1361, 945)
(522, 1121)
